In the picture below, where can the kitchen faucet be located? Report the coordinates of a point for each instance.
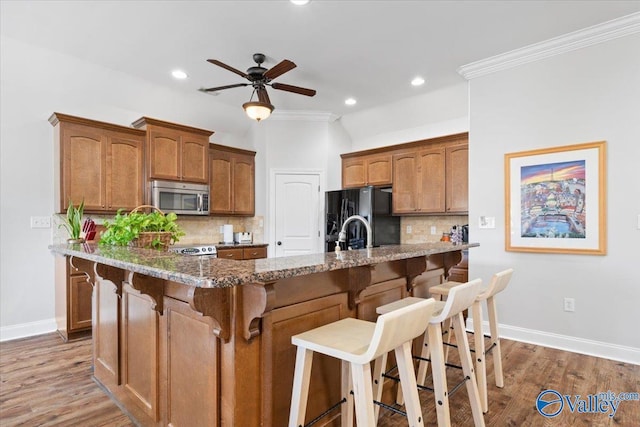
(342, 237)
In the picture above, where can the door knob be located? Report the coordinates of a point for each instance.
(278, 243)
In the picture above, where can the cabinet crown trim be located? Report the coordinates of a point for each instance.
(231, 149)
(59, 117)
(462, 137)
(142, 122)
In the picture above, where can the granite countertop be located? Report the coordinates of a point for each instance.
(208, 271)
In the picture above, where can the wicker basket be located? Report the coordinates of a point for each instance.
(146, 238)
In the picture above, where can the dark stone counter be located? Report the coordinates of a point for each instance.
(209, 272)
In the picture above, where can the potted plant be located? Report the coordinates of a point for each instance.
(73, 222)
(146, 230)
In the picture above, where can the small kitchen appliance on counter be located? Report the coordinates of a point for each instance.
(227, 234)
(195, 250)
(243, 238)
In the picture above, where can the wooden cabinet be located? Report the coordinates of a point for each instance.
(232, 181)
(457, 180)
(241, 253)
(419, 182)
(372, 169)
(175, 152)
(97, 162)
(431, 180)
(73, 300)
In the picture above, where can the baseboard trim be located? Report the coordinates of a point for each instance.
(24, 330)
(567, 343)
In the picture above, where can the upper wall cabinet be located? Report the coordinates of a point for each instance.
(368, 169)
(176, 152)
(457, 180)
(97, 162)
(232, 181)
(432, 180)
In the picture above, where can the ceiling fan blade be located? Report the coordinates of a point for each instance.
(227, 67)
(263, 96)
(214, 89)
(294, 89)
(279, 69)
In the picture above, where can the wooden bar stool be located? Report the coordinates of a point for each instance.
(460, 298)
(357, 343)
(498, 283)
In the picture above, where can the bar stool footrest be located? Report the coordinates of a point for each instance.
(390, 408)
(325, 413)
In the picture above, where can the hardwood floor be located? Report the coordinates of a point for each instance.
(46, 382)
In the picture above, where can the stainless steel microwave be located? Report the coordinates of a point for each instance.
(180, 197)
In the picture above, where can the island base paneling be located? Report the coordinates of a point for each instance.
(179, 355)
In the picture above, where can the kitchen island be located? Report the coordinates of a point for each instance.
(201, 341)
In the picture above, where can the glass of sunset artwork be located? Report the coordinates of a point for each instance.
(552, 200)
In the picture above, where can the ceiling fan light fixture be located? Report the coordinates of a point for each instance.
(258, 110)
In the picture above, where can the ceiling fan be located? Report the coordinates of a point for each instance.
(260, 77)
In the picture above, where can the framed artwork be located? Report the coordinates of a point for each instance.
(555, 200)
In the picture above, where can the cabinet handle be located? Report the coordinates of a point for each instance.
(230, 255)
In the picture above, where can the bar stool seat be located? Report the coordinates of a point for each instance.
(460, 298)
(498, 283)
(357, 343)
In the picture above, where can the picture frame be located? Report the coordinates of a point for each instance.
(555, 200)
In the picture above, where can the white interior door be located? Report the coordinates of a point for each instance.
(297, 214)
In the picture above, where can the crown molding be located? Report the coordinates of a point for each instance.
(619, 27)
(308, 116)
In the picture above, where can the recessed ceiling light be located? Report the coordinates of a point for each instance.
(350, 101)
(299, 2)
(179, 74)
(418, 81)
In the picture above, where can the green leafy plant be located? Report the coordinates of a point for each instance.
(126, 227)
(73, 220)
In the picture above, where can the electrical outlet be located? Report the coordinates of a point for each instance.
(569, 304)
(433, 229)
(40, 222)
(409, 229)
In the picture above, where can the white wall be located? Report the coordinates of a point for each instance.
(437, 113)
(591, 94)
(35, 82)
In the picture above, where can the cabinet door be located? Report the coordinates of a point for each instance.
(458, 178)
(378, 170)
(124, 165)
(431, 178)
(220, 198)
(84, 168)
(353, 172)
(405, 168)
(195, 152)
(164, 154)
(79, 304)
(243, 184)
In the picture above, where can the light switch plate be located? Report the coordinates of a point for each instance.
(40, 222)
(433, 229)
(487, 222)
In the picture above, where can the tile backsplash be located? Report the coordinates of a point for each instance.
(197, 229)
(421, 227)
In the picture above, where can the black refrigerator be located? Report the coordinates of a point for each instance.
(374, 204)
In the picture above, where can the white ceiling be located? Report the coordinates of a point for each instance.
(369, 50)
